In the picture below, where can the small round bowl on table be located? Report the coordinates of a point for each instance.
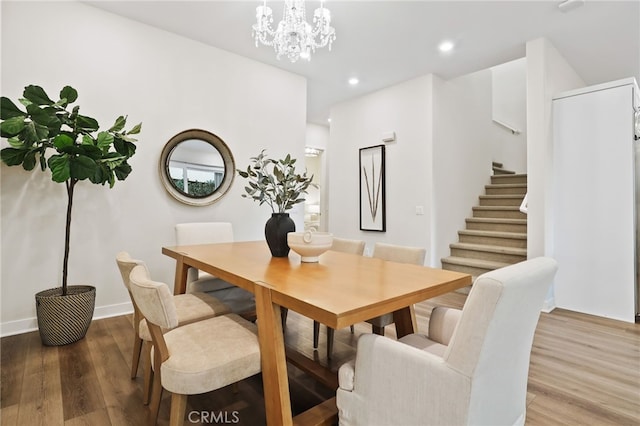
(310, 244)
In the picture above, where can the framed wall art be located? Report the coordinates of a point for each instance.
(372, 189)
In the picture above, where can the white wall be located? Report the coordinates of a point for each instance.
(440, 161)
(548, 73)
(170, 84)
(462, 154)
(405, 109)
(509, 105)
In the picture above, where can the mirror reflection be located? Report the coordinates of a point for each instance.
(196, 167)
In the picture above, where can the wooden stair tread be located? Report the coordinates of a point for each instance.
(509, 176)
(505, 185)
(476, 263)
(501, 196)
(489, 248)
(506, 208)
(497, 220)
(496, 234)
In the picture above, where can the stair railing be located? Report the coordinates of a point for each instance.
(524, 204)
(512, 129)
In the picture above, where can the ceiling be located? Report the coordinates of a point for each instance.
(386, 42)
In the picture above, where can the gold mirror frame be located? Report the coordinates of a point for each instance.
(215, 142)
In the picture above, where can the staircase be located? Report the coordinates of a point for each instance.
(496, 235)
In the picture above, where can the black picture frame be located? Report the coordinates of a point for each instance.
(372, 189)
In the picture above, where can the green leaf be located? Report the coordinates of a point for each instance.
(122, 171)
(16, 142)
(34, 133)
(127, 138)
(82, 167)
(62, 141)
(104, 140)
(12, 126)
(91, 151)
(112, 160)
(124, 147)
(99, 175)
(119, 124)
(45, 116)
(135, 130)
(29, 161)
(72, 150)
(87, 123)
(59, 165)
(8, 109)
(68, 93)
(88, 140)
(13, 156)
(37, 95)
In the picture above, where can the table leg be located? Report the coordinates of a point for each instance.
(405, 321)
(180, 280)
(274, 363)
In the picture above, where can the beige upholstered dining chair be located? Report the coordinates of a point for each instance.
(472, 368)
(195, 358)
(189, 308)
(346, 246)
(237, 299)
(400, 254)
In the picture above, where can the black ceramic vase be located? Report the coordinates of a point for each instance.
(275, 232)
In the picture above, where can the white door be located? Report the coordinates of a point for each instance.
(594, 202)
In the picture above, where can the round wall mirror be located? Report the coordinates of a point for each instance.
(196, 167)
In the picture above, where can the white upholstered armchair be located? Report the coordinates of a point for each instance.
(472, 368)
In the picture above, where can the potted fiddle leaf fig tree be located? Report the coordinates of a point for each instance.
(276, 183)
(54, 135)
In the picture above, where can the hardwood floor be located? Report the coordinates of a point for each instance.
(584, 371)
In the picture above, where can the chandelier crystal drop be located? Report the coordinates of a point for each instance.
(294, 37)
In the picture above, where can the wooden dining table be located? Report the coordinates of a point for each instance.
(340, 290)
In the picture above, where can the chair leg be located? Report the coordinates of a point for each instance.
(330, 332)
(316, 333)
(156, 397)
(135, 361)
(283, 315)
(378, 330)
(147, 372)
(178, 408)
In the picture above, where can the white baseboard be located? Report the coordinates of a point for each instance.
(549, 305)
(11, 328)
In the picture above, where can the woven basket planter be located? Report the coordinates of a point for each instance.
(65, 319)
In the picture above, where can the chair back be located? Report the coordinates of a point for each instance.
(348, 246)
(125, 264)
(154, 299)
(400, 254)
(492, 342)
(203, 233)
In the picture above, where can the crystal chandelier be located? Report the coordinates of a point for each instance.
(294, 37)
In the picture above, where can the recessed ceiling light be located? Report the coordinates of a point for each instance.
(446, 46)
(353, 81)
